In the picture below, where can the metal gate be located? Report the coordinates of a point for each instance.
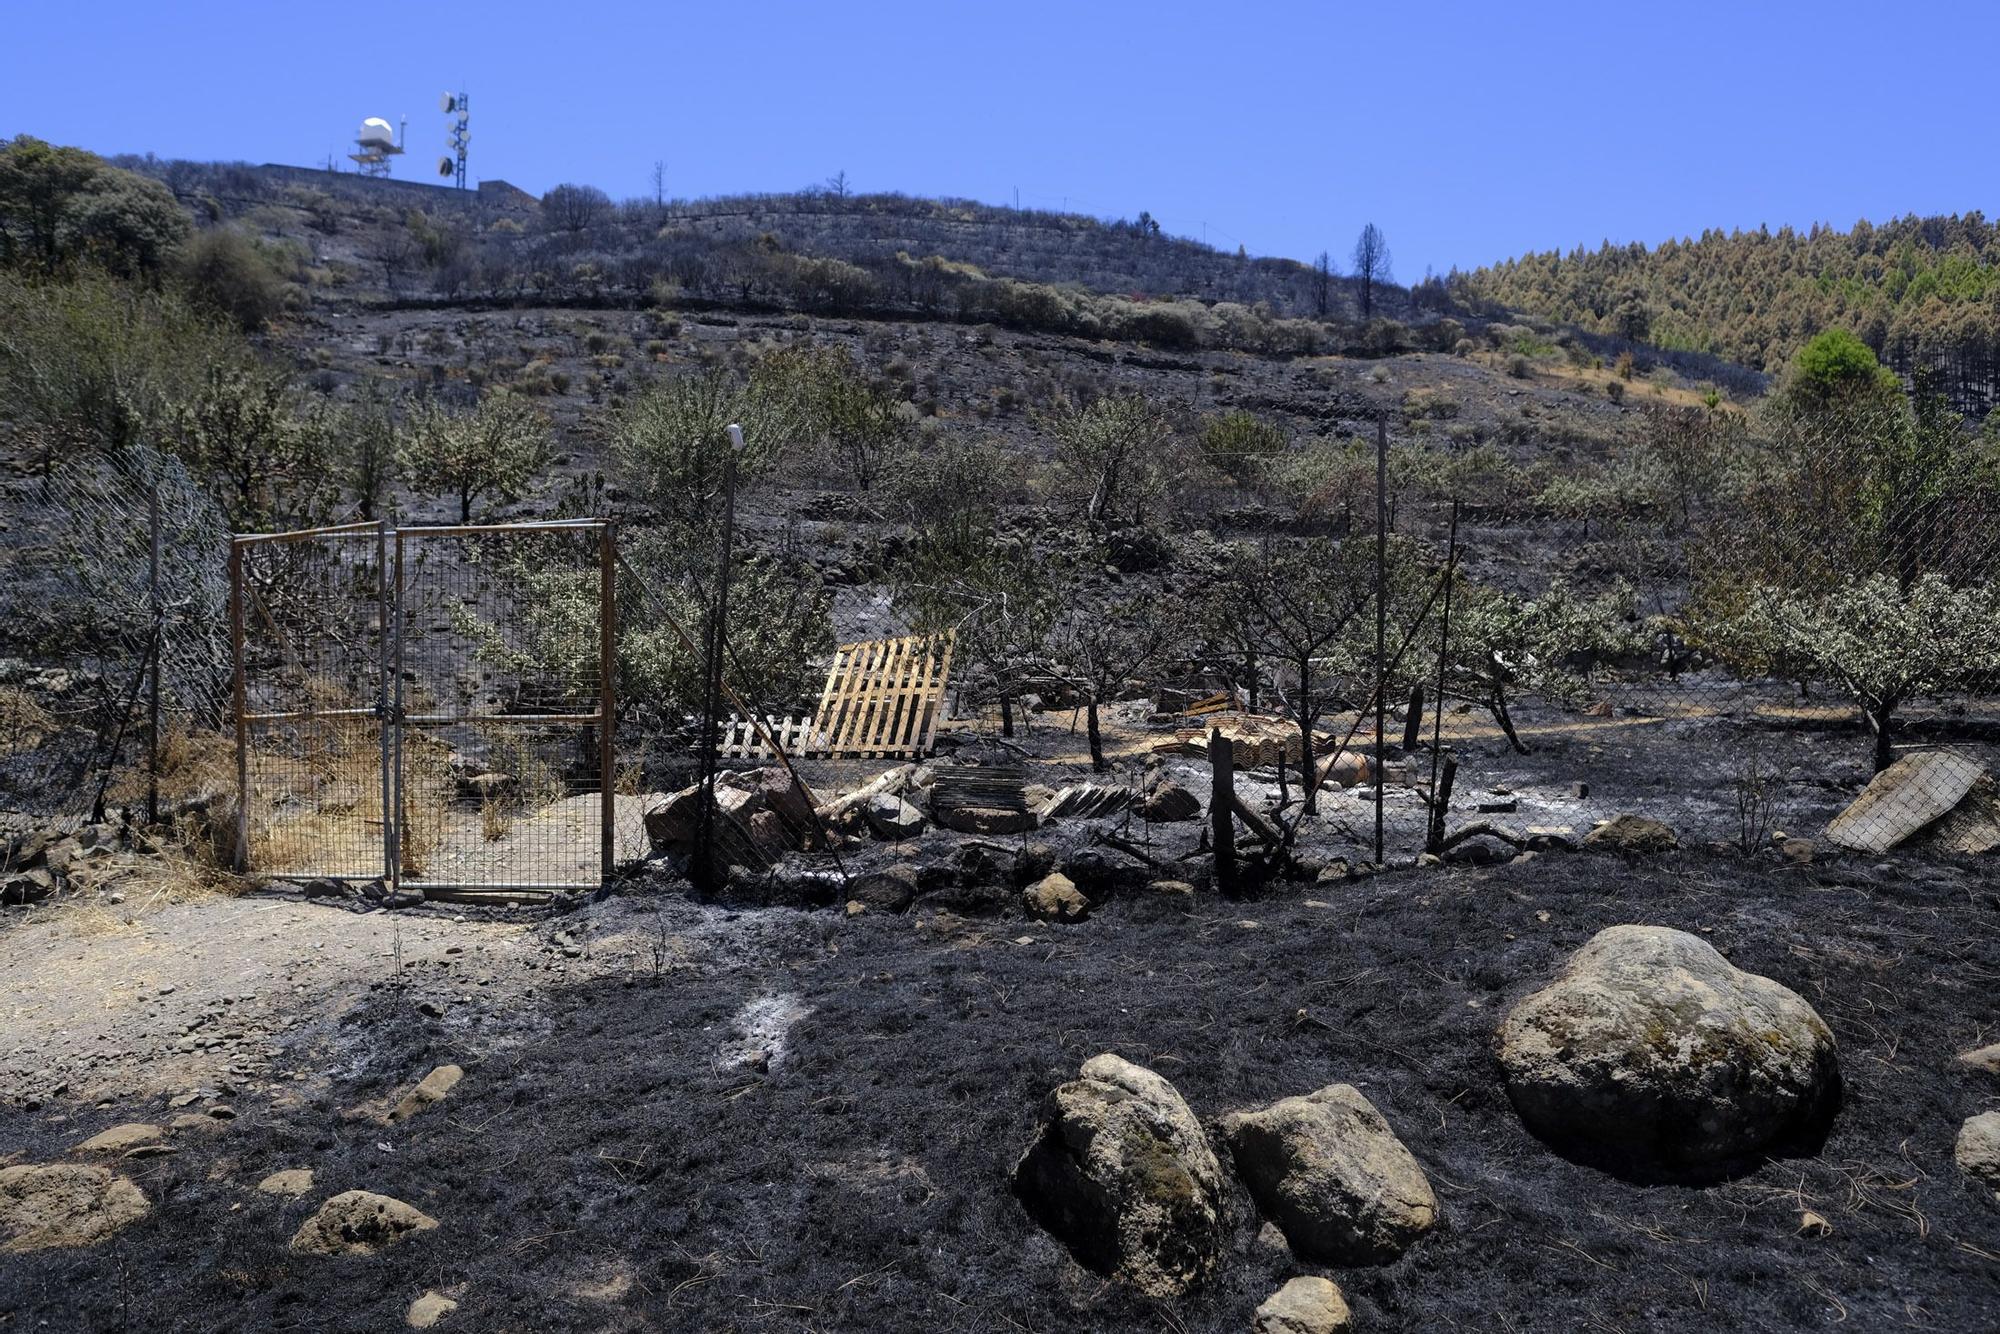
(430, 707)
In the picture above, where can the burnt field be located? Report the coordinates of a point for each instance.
(777, 1119)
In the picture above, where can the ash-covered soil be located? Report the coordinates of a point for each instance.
(732, 1120)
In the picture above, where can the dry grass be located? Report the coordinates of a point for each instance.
(24, 724)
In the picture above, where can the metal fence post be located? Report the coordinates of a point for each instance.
(384, 618)
(153, 674)
(241, 861)
(1381, 616)
(395, 721)
(607, 710)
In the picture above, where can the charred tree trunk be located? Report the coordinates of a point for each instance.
(1096, 739)
(1497, 706)
(1306, 741)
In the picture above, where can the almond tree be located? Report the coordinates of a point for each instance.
(493, 450)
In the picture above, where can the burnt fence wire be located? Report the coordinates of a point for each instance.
(1740, 660)
(123, 583)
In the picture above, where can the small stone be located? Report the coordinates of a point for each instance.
(1055, 898)
(1305, 1305)
(1983, 1058)
(428, 1309)
(1978, 1150)
(120, 1139)
(432, 1090)
(1633, 835)
(359, 1222)
(288, 1184)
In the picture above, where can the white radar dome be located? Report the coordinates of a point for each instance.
(375, 130)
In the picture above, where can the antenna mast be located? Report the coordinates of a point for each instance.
(460, 138)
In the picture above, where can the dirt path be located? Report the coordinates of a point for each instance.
(217, 990)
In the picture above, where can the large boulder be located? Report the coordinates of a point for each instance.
(1333, 1175)
(891, 889)
(359, 1222)
(48, 1205)
(1121, 1173)
(1978, 1150)
(1652, 1055)
(1305, 1305)
(985, 819)
(1167, 802)
(120, 1140)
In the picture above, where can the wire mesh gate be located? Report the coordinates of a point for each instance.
(430, 707)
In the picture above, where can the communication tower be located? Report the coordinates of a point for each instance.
(459, 106)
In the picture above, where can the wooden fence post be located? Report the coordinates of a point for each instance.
(1221, 808)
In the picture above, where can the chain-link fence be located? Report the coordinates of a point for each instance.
(1761, 641)
(123, 583)
(429, 706)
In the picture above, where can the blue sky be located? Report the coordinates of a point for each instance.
(1469, 132)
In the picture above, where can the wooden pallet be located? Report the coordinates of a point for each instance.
(883, 697)
(741, 740)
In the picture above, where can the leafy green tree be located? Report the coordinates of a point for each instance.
(492, 450)
(232, 275)
(92, 363)
(269, 458)
(61, 206)
(1501, 647)
(779, 631)
(670, 443)
(864, 423)
(1836, 364)
(1880, 642)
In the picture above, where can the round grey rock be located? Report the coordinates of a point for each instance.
(1654, 1057)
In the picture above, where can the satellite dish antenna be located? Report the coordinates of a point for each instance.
(447, 104)
(446, 167)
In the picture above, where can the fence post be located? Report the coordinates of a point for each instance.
(387, 625)
(704, 841)
(1221, 804)
(241, 861)
(1381, 616)
(1441, 796)
(607, 709)
(395, 867)
(159, 625)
